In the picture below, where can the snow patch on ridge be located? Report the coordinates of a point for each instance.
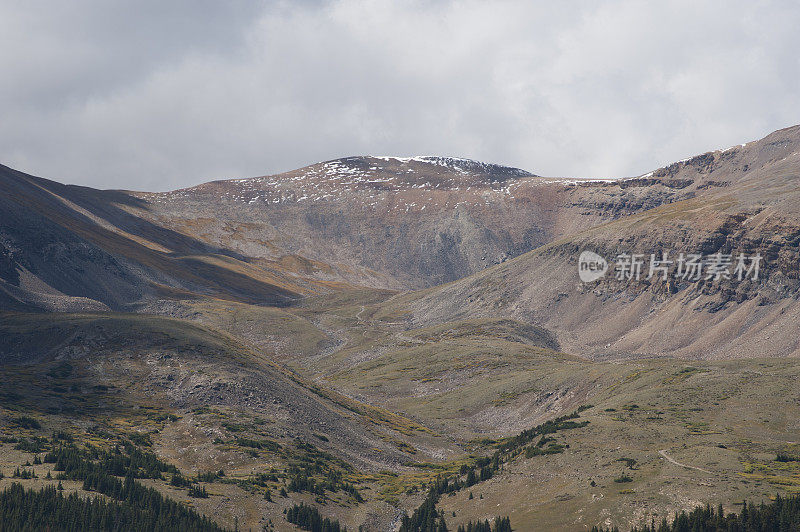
(459, 164)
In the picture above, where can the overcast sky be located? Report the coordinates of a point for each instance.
(155, 95)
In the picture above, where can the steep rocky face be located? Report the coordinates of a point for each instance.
(740, 201)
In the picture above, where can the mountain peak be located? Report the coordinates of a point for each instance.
(459, 164)
(371, 174)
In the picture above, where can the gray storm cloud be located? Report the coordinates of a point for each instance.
(160, 95)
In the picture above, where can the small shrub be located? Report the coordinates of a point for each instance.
(141, 438)
(208, 476)
(62, 436)
(199, 492)
(34, 445)
(60, 371)
(26, 422)
(179, 481)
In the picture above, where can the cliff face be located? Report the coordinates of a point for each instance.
(740, 201)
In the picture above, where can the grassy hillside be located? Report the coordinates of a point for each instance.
(202, 401)
(663, 434)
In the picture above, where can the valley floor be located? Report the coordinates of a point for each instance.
(338, 404)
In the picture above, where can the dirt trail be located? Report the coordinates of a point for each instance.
(668, 458)
(399, 335)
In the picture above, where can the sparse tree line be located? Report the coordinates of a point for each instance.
(140, 507)
(300, 480)
(426, 518)
(137, 506)
(100, 471)
(313, 462)
(780, 515)
(121, 461)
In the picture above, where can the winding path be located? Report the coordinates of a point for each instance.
(399, 335)
(668, 458)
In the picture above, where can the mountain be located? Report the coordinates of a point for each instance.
(742, 200)
(361, 221)
(75, 248)
(375, 336)
(412, 222)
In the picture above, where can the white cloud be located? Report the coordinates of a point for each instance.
(128, 95)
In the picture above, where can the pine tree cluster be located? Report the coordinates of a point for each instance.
(309, 518)
(500, 524)
(782, 514)
(48, 509)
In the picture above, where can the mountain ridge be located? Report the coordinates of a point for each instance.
(395, 330)
(747, 202)
(391, 223)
